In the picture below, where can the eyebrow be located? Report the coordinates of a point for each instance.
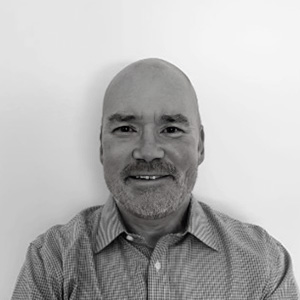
(121, 118)
(177, 118)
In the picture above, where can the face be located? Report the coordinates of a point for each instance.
(151, 141)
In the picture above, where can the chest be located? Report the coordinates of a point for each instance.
(183, 271)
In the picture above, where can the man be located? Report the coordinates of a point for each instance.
(152, 239)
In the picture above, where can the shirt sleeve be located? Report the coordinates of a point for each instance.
(282, 284)
(39, 278)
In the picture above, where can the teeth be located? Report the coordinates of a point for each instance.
(146, 177)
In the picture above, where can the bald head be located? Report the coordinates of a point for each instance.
(150, 78)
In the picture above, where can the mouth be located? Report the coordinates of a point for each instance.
(148, 179)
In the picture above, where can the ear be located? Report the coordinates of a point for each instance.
(101, 148)
(201, 145)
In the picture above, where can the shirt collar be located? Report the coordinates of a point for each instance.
(109, 226)
(200, 226)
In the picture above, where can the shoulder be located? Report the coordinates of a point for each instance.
(248, 240)
(61, 238)
(254, 258)
(232, 227)
(250, 247)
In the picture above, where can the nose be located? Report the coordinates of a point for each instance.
(148, 148)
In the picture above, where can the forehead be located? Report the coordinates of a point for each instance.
(150, 93)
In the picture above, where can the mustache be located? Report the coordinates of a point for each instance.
(155, 167)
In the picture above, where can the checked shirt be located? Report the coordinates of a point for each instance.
(217, 257)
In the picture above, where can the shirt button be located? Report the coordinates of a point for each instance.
(129, 238)
(157, 266)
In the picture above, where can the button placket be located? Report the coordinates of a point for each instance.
(158, 278)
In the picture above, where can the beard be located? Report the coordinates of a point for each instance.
(151, 202)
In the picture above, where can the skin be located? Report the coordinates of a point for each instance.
(151, 127)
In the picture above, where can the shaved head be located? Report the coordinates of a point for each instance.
(143, 75)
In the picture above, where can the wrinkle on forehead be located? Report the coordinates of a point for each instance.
(145, 76)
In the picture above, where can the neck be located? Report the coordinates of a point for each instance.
(153, 229)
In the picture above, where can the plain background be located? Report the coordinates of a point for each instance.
(57, 58)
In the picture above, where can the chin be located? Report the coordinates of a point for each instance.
(151, 215)
(152, 205)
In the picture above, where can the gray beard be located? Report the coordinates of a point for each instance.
(153, 203)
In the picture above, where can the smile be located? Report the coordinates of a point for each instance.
(147, 177)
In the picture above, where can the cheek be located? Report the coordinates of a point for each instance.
(183, 155)
(115, 154)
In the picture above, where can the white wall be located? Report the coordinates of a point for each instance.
(57, 58)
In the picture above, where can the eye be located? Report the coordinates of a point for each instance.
(124, 129)
(173, 131)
